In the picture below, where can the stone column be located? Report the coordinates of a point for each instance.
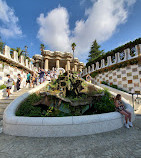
(139, 53)
(89, 69)
(57, 63)
(80, 68)
(7, 51)
(46, 64)
(16, 56)
(42, 64)
(68, 65)
(97, 65)
(75, 67)
(138, 49)
(93, 66)
(26, 63)
(37, 65)
(22, 60)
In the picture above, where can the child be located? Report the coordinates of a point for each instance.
(10, 82)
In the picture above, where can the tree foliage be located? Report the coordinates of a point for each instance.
(42, 47)
(119, 49)
(18, 50)
(73, 45)
(95, 51)
(2, 44)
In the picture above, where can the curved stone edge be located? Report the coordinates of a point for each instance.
(60, 126)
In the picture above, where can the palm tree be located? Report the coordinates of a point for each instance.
(2, 44)
(42, 47)
(73, 45)
(18, 50)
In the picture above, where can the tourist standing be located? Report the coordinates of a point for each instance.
(48, 77)
(55, 75)
(28, 79)
(41, 75)
(9, 82)
(19, 80)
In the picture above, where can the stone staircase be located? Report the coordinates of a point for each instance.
(5, 102)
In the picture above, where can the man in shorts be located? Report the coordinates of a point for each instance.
(9, 82)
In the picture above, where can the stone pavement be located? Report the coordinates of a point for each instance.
(121, 143)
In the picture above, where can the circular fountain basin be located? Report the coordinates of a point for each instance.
(60, 126)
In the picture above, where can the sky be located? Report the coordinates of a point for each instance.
(59, 23)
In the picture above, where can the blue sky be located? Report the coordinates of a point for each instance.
(58, 23)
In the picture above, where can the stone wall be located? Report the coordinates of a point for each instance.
(13, 65)
(125, 78)
(13, 71)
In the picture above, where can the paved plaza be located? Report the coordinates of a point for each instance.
(121, 143)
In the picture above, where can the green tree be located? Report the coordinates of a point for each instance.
(2, 44)
(73, 45)
(95, 51)
(42, 47)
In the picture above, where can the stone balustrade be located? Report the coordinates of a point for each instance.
(118, 57)
(25, 64)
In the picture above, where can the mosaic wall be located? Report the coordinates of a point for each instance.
(22, 62)
(125, 78)
(6, 69)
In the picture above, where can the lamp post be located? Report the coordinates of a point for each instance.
(133, 92)
(25, 50)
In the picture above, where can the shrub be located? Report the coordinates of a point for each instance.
(2, 86)
(104, 104)
(27, 109)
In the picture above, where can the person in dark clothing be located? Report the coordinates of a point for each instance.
(41, 75)
(19, 80)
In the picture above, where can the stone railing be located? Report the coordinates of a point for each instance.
(13, 65)
(127, 54)
(21, 62)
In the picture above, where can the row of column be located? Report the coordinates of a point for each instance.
(67, 66)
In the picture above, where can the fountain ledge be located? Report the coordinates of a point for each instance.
(60, 126)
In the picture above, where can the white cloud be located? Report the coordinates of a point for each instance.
(103, 18)
(9, 21)
(54, 29)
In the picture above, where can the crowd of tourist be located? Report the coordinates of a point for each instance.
(31, 80)
(35, 79)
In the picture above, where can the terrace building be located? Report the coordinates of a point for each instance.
(49, 60)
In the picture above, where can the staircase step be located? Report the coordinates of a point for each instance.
(1, 116)
(4, 101)
(1, 113)
(3, 105)
(2, 110)
(1, 123)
